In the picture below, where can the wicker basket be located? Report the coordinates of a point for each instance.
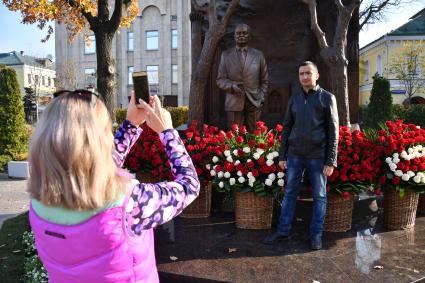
(421, 203)
(252, 211)
(146, 178)
(400, 212)
(201, 206)
(339, 212)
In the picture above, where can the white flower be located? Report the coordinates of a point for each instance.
(280, 182)
(395, 155)
(388, 160)
(423, 180)
(220, 174)
(275, 153)
(396, 160)
(272, 176)
(269, 162)
(410, 173)
(392, 166)
(418, 127)
(246, 150)
(226, 175)
(398, 173)
(280, 175)
(417, 179)
(249, 160)
(409, 150)
(215, 159)
(237, 162)
(251, 179)
(232, 181)
(251, 183)
(213, 173)
(405, 177)
(221, 185)
(235, 152)
(249, 175)
(241, 179)
(208, 166)
(239, 173)
(256, 156)
(268, 182)
(403, 154)
(270, 156)
(227, 153)
(260, 151)
(229, 159)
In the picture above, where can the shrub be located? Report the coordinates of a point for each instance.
(179, 115)
(379, 109)
(399, 112)
(13, 134)
(120, 115)
(415, 114)
(34, 269)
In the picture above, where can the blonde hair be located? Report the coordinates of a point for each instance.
(71, 162)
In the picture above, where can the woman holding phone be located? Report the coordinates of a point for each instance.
(92, 221)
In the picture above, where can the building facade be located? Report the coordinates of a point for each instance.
(36, 73)
(377, 57)
(158, 42)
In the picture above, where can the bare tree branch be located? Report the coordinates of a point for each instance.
(320, 35)
(212, 12)
(199, 8)
(229, 12)
(373, 11)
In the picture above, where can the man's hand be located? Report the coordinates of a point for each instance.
(328, 170)
(283, 164)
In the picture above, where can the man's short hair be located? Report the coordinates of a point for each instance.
(306, 63)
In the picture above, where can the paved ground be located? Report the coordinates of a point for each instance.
(213, 250)
(13, 197)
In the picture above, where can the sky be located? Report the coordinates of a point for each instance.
(15, 36)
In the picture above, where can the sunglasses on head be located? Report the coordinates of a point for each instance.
(85, 94)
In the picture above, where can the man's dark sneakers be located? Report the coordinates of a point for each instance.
(275, 237)
(316, 242)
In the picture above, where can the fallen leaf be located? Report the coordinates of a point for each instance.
(173, 258)
(378, 267)
(232, 250)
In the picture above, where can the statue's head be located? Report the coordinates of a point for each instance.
(242, 35)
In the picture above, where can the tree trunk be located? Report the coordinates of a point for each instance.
(196, 19)
(105, 69)
(201, 72)
(339, 87)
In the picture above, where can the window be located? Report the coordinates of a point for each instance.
(90, 49)
(367, 70)
(152, 42)
(174, 75)
(48, 81)
(379, 64)
(130, 40)
(29, 78)
(43, 81)
(90, 75)
(36, 82)
(174, 39)
(130, 75)
(152, 74)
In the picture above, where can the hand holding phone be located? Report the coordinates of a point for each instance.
(141, 86)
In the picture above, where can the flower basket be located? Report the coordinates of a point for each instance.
(421, 203)
(253, 211)
(145, 177)
(400, 211)
(339, 212)
(201, 206)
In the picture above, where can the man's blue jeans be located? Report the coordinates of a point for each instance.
(314, 169)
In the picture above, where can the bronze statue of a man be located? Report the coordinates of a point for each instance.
(243, 76)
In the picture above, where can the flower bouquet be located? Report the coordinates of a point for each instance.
(249, 167)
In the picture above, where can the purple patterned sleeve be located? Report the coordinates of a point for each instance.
(150, 205)
(125, 137)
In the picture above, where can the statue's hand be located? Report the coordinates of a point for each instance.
(238, 88)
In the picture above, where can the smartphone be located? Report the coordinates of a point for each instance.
(141, 86)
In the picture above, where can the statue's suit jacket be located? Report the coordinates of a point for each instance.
(253, 74)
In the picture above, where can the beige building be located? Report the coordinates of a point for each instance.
(158, 41)
(36, 73)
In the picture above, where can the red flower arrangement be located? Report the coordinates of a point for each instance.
(249, 161)
(357, 162)
(202, 146)
(402, 150)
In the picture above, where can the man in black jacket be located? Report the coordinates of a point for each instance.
(309, 142)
